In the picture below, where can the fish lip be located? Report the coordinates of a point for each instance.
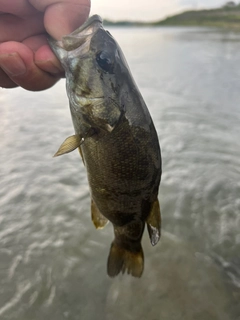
(77, 38)
(82, 34)
(54, 44)
(87, 23)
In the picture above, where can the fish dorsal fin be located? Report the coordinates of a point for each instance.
(70, 144)
(97, 218)
(154, 223)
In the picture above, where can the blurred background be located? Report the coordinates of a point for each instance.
(52, 260)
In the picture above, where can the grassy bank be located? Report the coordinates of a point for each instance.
(222, 17)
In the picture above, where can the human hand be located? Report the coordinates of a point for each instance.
(26, 59)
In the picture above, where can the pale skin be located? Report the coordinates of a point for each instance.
(26, 59)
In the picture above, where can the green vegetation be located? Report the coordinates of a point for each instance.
(222, 17)
(227, 16)
(125, 23)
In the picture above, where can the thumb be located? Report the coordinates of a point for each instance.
(62, 16)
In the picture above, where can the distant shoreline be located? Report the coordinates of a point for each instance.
(225, 17)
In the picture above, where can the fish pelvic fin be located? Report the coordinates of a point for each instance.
(98, 219)
(154, 223)
(121, 260)
(70, 144)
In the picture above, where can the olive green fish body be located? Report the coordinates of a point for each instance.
(117, 141)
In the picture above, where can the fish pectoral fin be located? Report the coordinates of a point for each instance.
(98, 219)
(70, 144)
(81, 154)
(154, 223)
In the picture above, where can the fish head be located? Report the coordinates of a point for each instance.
(95, 70)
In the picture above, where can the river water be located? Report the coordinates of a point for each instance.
(53, 261)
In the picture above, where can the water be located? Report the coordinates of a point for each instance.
(53, 261)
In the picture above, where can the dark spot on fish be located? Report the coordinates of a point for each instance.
(114, 88)
(86, 91)
(77, 73)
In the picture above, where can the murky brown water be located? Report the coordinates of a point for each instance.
(53, 261)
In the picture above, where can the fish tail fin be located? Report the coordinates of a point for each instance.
(121, 260)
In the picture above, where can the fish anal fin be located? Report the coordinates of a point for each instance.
(154, 223)
(121, 260)
(70, 144)
(98, 219)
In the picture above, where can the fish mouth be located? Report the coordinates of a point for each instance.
(92, 21)
(78, 38)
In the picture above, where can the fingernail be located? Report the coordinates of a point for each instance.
(49, 66)
(12, 64)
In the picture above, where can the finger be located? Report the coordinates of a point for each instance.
(5, 81)
(13, 28)
(62, 16)
(36, 42)
(44, 58)
(18, 8)
(20, 67)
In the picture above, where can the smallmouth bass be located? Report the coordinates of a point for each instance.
(117, 141)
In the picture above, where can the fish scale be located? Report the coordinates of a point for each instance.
(117, 141)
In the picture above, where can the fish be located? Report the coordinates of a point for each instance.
(117, 141)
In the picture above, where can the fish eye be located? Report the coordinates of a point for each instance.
(104, 61)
